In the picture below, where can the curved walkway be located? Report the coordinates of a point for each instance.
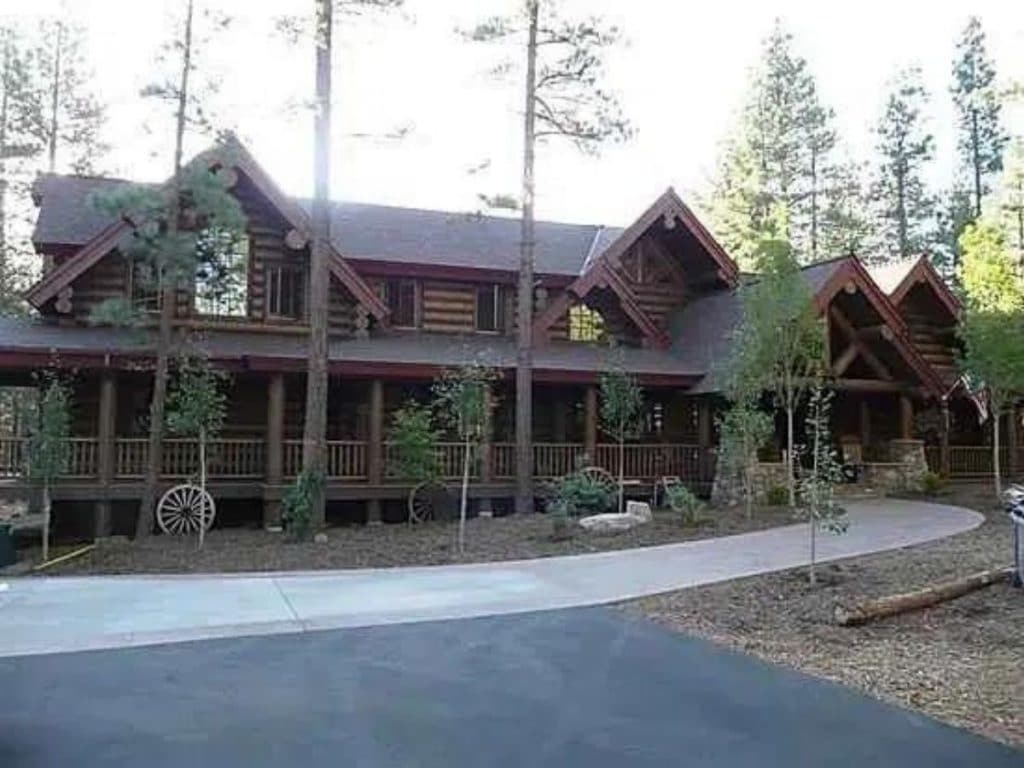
(57, 614)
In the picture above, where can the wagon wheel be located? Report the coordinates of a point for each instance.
(429, 500)
(599, 476)
(180, 509)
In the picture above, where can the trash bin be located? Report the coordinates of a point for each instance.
(7, 554)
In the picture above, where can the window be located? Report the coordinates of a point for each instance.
(400, 296)
(222, 274)
(490, 308)
(585, 324)
(144, 286)
(286, 291)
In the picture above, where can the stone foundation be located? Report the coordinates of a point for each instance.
(904, 472)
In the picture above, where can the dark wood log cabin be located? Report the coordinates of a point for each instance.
(414, 292)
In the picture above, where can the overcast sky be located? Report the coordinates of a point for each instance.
(681, 77)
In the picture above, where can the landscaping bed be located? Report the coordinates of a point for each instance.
(487, 539)
(961, 661)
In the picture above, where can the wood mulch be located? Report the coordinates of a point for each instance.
(961, 662)
(487, 540)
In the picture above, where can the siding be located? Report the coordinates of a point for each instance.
(448, 307)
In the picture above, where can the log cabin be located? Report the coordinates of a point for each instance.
(413, 292)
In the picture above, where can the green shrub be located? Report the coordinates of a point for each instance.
(932, 483)
(297, 505)
(682, 500)
(776, 496)
(579, 493)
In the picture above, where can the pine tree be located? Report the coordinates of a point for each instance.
(74, 115)
(1010, 199)
(784, 154)
(563, 69)
(904, 211)
(981, 139)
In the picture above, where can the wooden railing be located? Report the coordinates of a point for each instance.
(239, 458)
(503, 461)
(555, 459)
(346, 459)
(449, 461)
(651, 461)
(83, 457)
(970, 461)
(12, 456)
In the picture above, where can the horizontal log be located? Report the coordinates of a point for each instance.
(869, 610)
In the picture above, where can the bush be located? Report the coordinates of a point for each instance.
(777, 496)
(932, 483)
(578, 493)
(561, 524)
(682, 500)
(297, 505)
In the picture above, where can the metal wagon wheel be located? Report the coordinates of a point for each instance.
(181, 509)
(599, 476)
(429, 500)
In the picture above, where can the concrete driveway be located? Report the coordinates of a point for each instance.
(65, 614)
(584, 687)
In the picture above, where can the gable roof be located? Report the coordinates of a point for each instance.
(82, 216)
(607, 249)
(898, 278)
(701, 332)
(361, 231)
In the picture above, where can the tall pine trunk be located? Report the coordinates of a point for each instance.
(169, 296)
(5, 103)
(524, 345)
(46, 503)
(814, 500)
(622, 473)
(996, 474)
(315, 430)
(463, 499)
(55, 99)
(976, 161)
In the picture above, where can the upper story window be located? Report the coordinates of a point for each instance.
(144, 285)
(490, 308)
(401, 298)
(585, 324)
(286, 291)
(222, 273)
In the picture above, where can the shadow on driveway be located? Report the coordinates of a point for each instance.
(583, 687)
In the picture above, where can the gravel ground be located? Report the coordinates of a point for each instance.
(962, 661)
(487, 539)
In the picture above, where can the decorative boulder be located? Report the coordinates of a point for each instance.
(612, 522)
(320, 538)
(641, 510)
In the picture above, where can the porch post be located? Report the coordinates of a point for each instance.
(105, 455)
(484, 504)
(704, 435)
(906, 417)
(944, 440)
(590, 424)
(1011, 442)
(865, 424)
(275, 450)
(375, 448)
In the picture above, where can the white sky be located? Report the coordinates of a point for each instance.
(681, 78)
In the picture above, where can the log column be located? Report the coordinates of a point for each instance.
(865, 424)
(590, 424)
(375, 448)
(275, 451)
(485, 504)
(106, 457)
(906, 417)
(704, 436)
(944, 440)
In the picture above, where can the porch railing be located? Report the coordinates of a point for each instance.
(650, 461)
(240, 458)
(11, 456)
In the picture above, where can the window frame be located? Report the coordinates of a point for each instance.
(497, 293)
(246, 252)
(597, 327)
(397, 284)
(281, 267)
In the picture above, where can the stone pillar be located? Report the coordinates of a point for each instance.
(106, 451)
(590, 424)
(906, 418)
(275, 451)
(909, 454)
(375, 448)
(944, 440)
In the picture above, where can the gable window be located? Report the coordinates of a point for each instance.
(286, 291)
(490, 308)
(222, 274)
(585, 324)
(400, 296)
(144, 286)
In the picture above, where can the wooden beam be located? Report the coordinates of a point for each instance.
(848, 330)
(906, 417)
(874, 385)
(865, 423)
(844, 360)
(106, 458)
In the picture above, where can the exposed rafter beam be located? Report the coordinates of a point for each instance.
(856, 346)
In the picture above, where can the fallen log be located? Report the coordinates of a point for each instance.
(869, 610)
